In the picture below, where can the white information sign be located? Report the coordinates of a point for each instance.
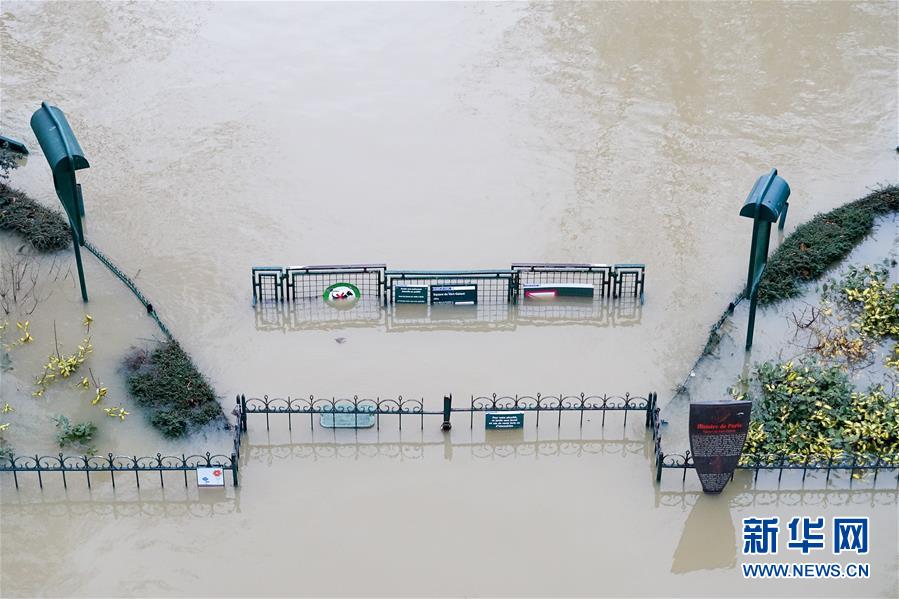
(210, 477)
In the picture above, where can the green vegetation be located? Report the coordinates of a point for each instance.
(46, 230)
(810, 409)
(8, 161)
(820, 243)
(78, 435)
(871, 303)
(177, 397)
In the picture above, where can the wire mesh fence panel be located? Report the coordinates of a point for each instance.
(311, 282)
(268, 284)
(629, 280)
(527, 280)
(469, 287)
(598, 276)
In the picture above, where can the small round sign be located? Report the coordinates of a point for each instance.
(341, 295)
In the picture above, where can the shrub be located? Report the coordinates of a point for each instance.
(77, 435)
(166, 383)
(872, 303)
(46, 230)
(820, 243)
(808, 409)
(8, 161)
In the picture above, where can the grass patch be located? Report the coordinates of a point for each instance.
(47, 230)
(826, 239)
(176, 396)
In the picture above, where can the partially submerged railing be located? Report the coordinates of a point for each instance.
(415, 407)
(853, 463)
(116, 464)
(124, 465)
(489, 286)
(296, 283)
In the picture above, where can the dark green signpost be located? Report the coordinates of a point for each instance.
(64, 155)
(767, 203)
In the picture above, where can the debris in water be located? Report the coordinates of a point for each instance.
(340, 339)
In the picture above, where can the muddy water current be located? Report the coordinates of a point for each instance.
(227, 135)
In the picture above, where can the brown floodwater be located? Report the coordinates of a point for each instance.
(427, 135)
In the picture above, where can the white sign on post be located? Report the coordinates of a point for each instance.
(210, 477)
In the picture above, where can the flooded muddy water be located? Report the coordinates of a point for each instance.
(434, 135)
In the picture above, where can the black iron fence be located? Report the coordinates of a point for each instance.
(115, 464)
(855, 464)
(123, 465)
(296, 283)
(549, 406)
(414, 408)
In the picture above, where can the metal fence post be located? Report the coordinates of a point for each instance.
(234, 468)
(243, 412)
(447, 410)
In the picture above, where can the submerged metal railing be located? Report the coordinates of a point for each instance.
(415, 407)
(124, 464)
(854, 463)
(113, 464)
(151, 311)
(294, 283)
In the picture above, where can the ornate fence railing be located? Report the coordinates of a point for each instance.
(851, 462)
(312, 406)
(116, 464)
(559, 404)
(415, 407)
(125, 465)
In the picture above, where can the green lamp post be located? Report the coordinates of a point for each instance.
(65, 156)
(767, 203)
